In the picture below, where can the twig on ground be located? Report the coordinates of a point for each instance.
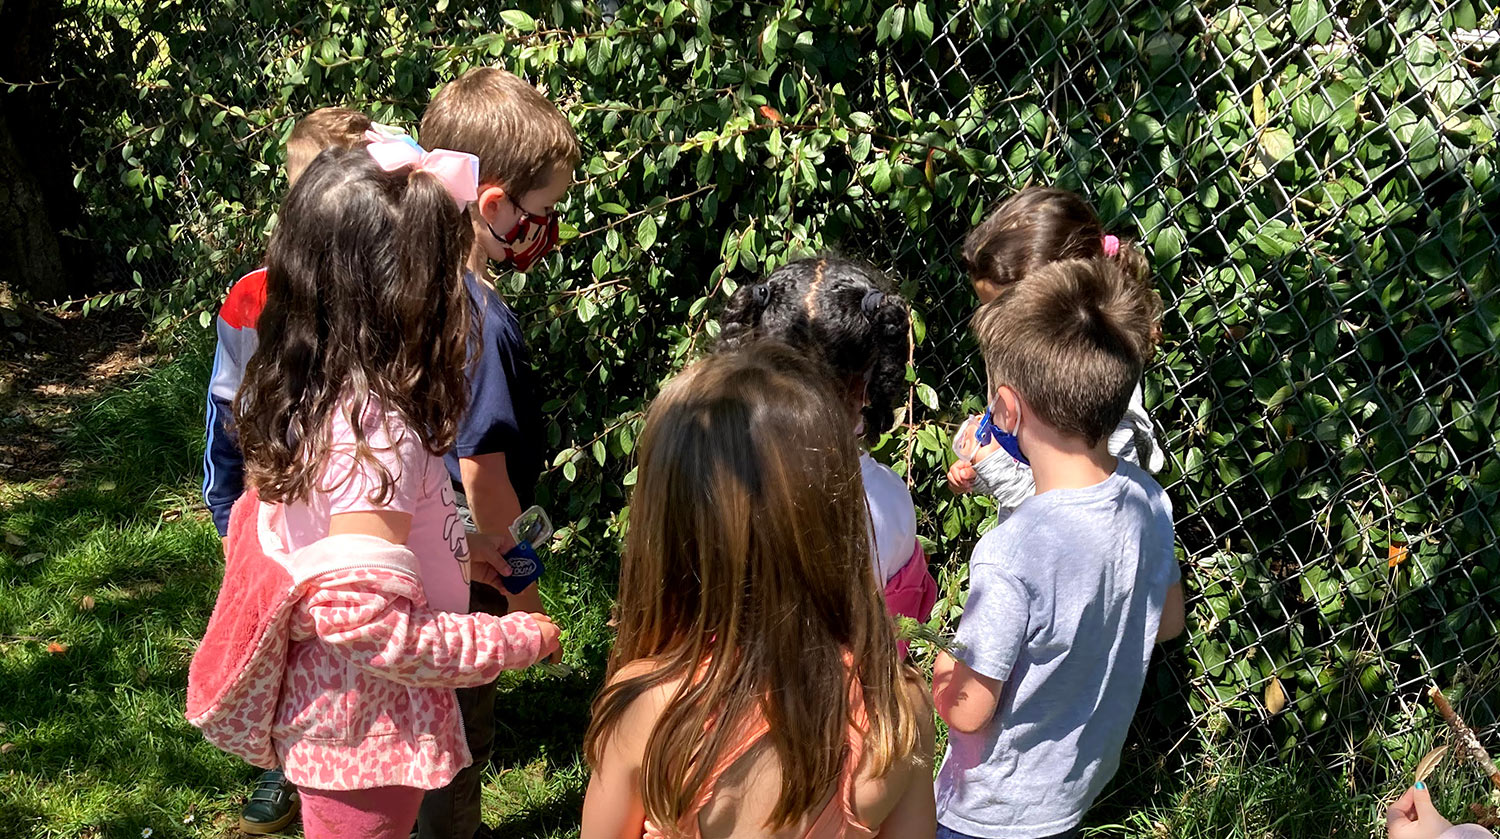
(1467, 739)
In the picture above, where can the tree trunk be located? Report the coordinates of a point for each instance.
(29, 248)
(37, 199)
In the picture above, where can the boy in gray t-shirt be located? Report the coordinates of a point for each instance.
(1070, 594)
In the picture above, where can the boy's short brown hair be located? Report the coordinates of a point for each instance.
(325, 128)
(519, 136)
(1072, 339)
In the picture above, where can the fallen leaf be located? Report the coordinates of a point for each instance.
(770, 113)
(1395, 555)
(171, 515)
(32, 558)
(57, 483)
(1275, 696)
(7, 748)
(87, 603)
(142, 674)
(57, 648)
(15, 539)
(1429, 762)
(107, 486)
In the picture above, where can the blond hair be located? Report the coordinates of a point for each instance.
(325, 128)
(1072, 338)
(519, 136)
(747, 579)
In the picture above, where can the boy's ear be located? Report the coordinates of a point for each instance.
(1008, 404)
(490, 197)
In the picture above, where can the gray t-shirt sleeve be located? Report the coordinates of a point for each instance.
(1172, 573)
(992, 631)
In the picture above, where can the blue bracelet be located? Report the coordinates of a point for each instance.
(525, 567)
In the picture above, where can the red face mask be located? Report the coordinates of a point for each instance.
(539, 247)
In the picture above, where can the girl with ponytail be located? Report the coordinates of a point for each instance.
(343, 624)
(848, 316)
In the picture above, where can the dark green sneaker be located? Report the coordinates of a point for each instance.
(272, 806)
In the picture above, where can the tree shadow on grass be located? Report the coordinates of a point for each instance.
(116, 573)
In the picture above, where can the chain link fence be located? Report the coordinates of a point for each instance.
(1314, 186)
(1314, 182)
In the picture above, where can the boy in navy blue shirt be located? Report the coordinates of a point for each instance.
(527, 152)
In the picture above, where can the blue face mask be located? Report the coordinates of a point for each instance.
(988, 432)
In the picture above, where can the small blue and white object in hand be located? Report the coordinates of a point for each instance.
(971, 438)
(532, 528)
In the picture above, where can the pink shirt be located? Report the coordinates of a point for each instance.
(422, 488)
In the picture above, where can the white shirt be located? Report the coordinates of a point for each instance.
(893, 517)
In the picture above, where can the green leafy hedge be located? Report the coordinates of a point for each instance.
(1315, 185)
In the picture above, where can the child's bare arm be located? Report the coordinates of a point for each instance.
(612, 807)
(915, 815)
(494, 505)
(965, 699)
(1173, 614)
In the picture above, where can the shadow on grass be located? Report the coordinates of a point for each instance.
(562, 814)
(106, 582)
(543, 717)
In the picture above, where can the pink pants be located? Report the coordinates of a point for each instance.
(379, 813)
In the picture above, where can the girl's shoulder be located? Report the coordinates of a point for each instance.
(629, 735)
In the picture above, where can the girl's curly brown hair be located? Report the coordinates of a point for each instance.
(366, 309)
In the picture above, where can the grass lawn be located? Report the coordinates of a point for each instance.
(107, 578)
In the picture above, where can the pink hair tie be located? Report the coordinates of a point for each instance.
(1111, 245)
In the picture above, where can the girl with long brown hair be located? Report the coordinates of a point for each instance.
(342, 626)
(754, 688)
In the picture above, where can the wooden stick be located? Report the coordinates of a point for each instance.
(1466, 737)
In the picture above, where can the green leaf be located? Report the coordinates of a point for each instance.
(1307, 15)
(883, 26)
(518, 20)
(645, 235)
(1277, 145)
(1144, 128)
(927, 395)
(859, 148)
(611, 207)
(921, 22)
(768, 40)
(1345, 106)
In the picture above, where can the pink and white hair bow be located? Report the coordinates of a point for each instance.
(455, 170)
(1111, 245)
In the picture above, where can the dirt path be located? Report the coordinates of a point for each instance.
(52, 365)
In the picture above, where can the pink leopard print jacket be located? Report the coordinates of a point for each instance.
(328, 661)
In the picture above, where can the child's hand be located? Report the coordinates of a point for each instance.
(551, 649)
(960, 477)
(487, 563)
(1414, 817)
